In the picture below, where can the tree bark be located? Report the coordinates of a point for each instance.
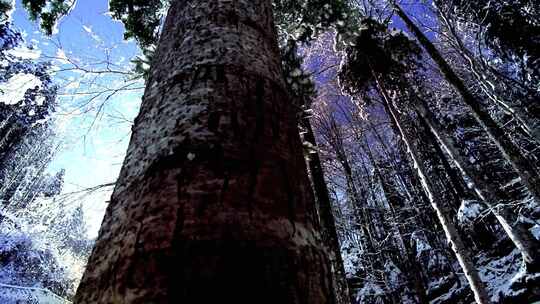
(529, 177)
(213, 203)
(326, 216)
(479, 71)
(356, 199)
(413, 268)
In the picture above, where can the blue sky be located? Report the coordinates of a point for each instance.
(93, 129)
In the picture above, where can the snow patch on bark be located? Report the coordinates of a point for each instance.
(298, 233)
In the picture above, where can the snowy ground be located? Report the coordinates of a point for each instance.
(11, 294)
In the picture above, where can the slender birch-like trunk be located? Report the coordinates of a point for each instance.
(326, 215)
(452, 235)
(529, 177)
(487, 192)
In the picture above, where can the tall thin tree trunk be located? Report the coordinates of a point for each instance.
(516, 112)
(487, 192)
(356, 200)
(368, 219)
(394, 200)
(213, 203)
(326, 215)
(452, 235)
(529, 177)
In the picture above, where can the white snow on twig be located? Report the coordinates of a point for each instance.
(12, 91)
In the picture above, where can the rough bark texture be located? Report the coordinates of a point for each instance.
(213, 203)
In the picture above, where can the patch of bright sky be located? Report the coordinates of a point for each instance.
(94, 129)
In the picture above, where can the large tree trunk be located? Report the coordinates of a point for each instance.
(213, 203)
(529, 177)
